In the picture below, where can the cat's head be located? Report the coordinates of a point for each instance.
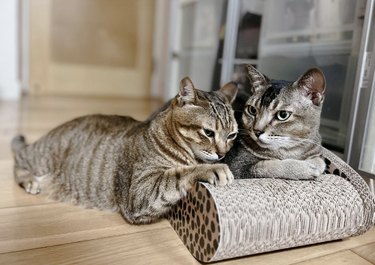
(205, 120)
(282, 114)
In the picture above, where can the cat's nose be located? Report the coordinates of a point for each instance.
(257, 133)
(220, 156)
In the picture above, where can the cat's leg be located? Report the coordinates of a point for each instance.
(23, 172)
(215, 174)
(285, 169)
(149, 200)
(22, 175)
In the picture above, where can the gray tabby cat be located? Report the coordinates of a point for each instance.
(279, 128)
(140, 169)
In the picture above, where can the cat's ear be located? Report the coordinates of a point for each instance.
(187, 92)
(230, 91)
(313, 83)
(257, 79)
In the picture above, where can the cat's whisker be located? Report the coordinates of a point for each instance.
(303, 141)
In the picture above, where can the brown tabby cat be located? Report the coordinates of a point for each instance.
(137, 168)
(279, 128)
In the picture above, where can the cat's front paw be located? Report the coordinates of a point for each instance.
(319, 163)
(306, 171)
(296, 170)
(218, 174)
(312, 172)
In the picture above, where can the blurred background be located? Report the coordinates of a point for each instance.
(60, 59)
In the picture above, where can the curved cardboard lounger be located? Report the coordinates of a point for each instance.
(260, 215)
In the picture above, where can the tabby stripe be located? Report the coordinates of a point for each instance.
(33, 160)
(270, 94)
(131, 202)
(222, 114)
(166, 183)
(217, 114)
(178, 179)
(190, 127)
(140, 180)
(144, 202)
(275, 103)
(89, 170)
(163, 199)
(155, 182)
(167, 151)
(156, 187)
(102, 173)
(76, 172)
(166, 202)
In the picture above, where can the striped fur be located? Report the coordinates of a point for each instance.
(268, 145)
(137, 168)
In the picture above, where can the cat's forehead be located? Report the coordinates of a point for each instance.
(217, 111)
(214, 102)
(279, 84)
(265, 96)
(214, 97)
(273, 90)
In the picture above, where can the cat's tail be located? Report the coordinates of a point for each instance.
(18, 143)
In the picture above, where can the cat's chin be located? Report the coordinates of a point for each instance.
(272, 142)
(207, 157)
(265, 145)
(208, 161)
(264, 142)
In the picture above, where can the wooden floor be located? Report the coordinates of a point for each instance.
(34, 230)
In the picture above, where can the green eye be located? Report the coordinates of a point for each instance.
(209, 133)
(283, 115)
(232, 136)
(252, 110)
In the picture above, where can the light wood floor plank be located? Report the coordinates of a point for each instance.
(11, 195)
(366, 251)
(159, 246)
(341, 258)
(54, 224)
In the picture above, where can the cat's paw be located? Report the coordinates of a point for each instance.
(312, 172)
(316, 167)
(295, 170)
(319, 163)
(218, 174)
(33, 187)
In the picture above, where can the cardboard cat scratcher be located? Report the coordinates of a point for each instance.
(260, 215)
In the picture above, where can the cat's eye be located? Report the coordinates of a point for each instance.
(208, 133)
(232, 136)
(283, 115)
(252, 110)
